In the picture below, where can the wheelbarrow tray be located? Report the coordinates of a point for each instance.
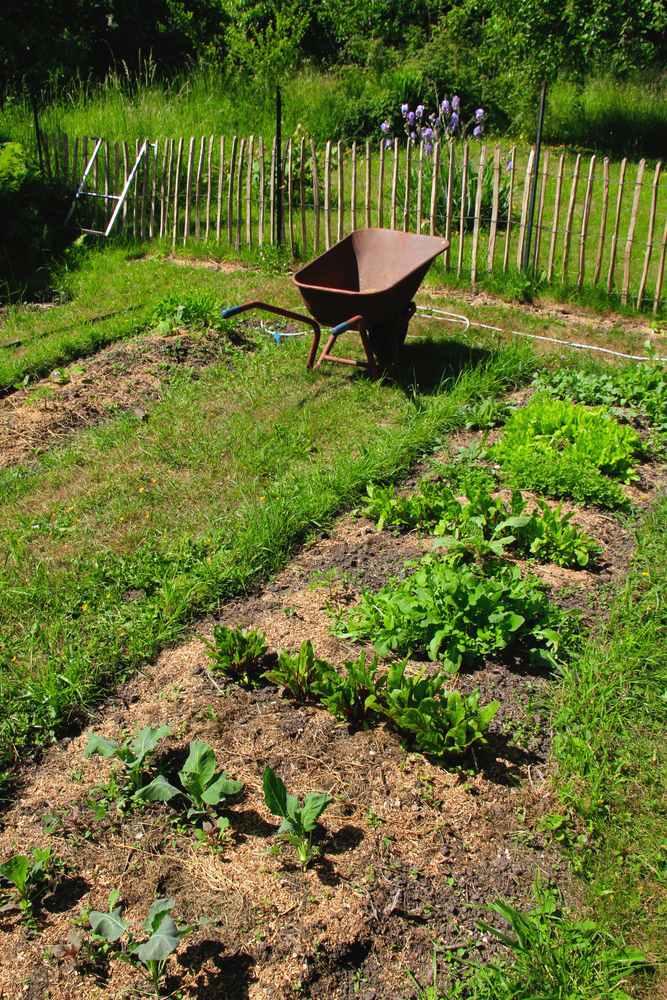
(372, 273)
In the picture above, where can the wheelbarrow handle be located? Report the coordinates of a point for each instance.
(235, 310)
(344, 327)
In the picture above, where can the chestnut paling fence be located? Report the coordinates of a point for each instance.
(595, 222)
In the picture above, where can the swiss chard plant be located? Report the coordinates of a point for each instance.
(202, 785)
(298, 672)
(236, 652)
(299, 821)
(440, 722)
(29, 877)
(455, 613)
(355, 696)
(149, 953)
(135, 759)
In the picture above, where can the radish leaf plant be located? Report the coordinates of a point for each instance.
(235, 652)
(298, 672)
(353, 697)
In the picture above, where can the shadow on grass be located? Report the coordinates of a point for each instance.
(429, 366)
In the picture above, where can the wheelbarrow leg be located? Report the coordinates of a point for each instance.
(358, 323)
(398, 339)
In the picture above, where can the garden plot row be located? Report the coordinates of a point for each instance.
(408, 848)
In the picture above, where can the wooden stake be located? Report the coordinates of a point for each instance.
(340, 163)
(230, 192)
(65, 160)
(75, 163)
(381, 186)
(188, 190)
(177, 175)
(208, 187)
(302, 194)
(510, 206)
(651, 230)
(135, 200)
(478, 215)
(96, 189)
(631, 232)
(570, 217)
(164, 222)
(198, 185)
(554, 228)
(495, 208)
(221, 181)
(126, 171)
(614, 239)
(661, 269)
(56, 164)
(420, 185)
(272, 191)
(353, 190)
(239, 197)
(316, 197)
(464, 198)
(367, 197)
(584, 223)
(450, 205)
(603, 222)
(156, 147)
(144, 189)
(116, 172)
(107, 178)
(327, 197)
(248, 192)
(524, 209)
(290, 197)
(406, 203)
(540, 214)
(434, 188)
(394, 186)
(260, 224)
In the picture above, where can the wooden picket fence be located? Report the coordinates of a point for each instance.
(213, 188)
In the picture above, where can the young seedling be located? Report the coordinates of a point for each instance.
(298, 821)
(134, 757)
(355, 696)
(149, 956)
(202, 786)
(298, 672)
(236, 652)
(28, 877)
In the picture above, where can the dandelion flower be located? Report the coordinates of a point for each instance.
(84, 607)
(141, 489)
(122, 518)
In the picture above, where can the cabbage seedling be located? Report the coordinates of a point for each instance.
(298, 821)
(148, 956)
(134, 757)
(28, 877)
(203, 787)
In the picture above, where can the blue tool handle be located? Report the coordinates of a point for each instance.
(341, 328)
(232, 311)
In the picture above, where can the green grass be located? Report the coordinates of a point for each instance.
(611, 751)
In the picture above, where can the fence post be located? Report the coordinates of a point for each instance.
(420, 183)
(603, 221)
(260, 223)
(661, 268)
(272, 190)
(524, 210)
(614, 239)
(188, 190)
(221, 181)
(367, 199)
(478, 214)
(208, 187)
(156, 150)
(230, 192)
(464, 198)
(631, 232)
(434, 188)
(327, 196)
(510, 206)
(540, 214)
(495, 208)
(408, 178)
(340, 162)
(290, 196)
(302, 194)
(248, 192)
(651, 230)
(75, 164)
(316, 196)
(115, 178)
(394, 186)
(198, 182)
(164, 215)
(584, 223)
(554, 228)
(570, 217)
(179, 157)
(381, 185)
(239, 197)
(450, 205)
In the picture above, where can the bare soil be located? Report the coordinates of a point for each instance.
(410, 849)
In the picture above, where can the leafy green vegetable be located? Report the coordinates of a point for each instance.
(299, 821)
(355, 696)
(440, 721)
(134, 757)
(27, 875)
(236, 652)
(456, 613)
(485, 413)
(298, 672)
(203, 787)
(148, 956)
(589, 437)
(562, 475)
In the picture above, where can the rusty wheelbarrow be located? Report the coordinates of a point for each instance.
(364, 283)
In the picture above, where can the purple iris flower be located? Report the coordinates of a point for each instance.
(427, 134)
(405, 108)
(479, 114)
(413, 135)
(386, 127)
(420, 110)
(427, 148)
(456, 103)
(388, 143)
(454, 120)
(477, 132)
(445, 107)
(411, 117)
